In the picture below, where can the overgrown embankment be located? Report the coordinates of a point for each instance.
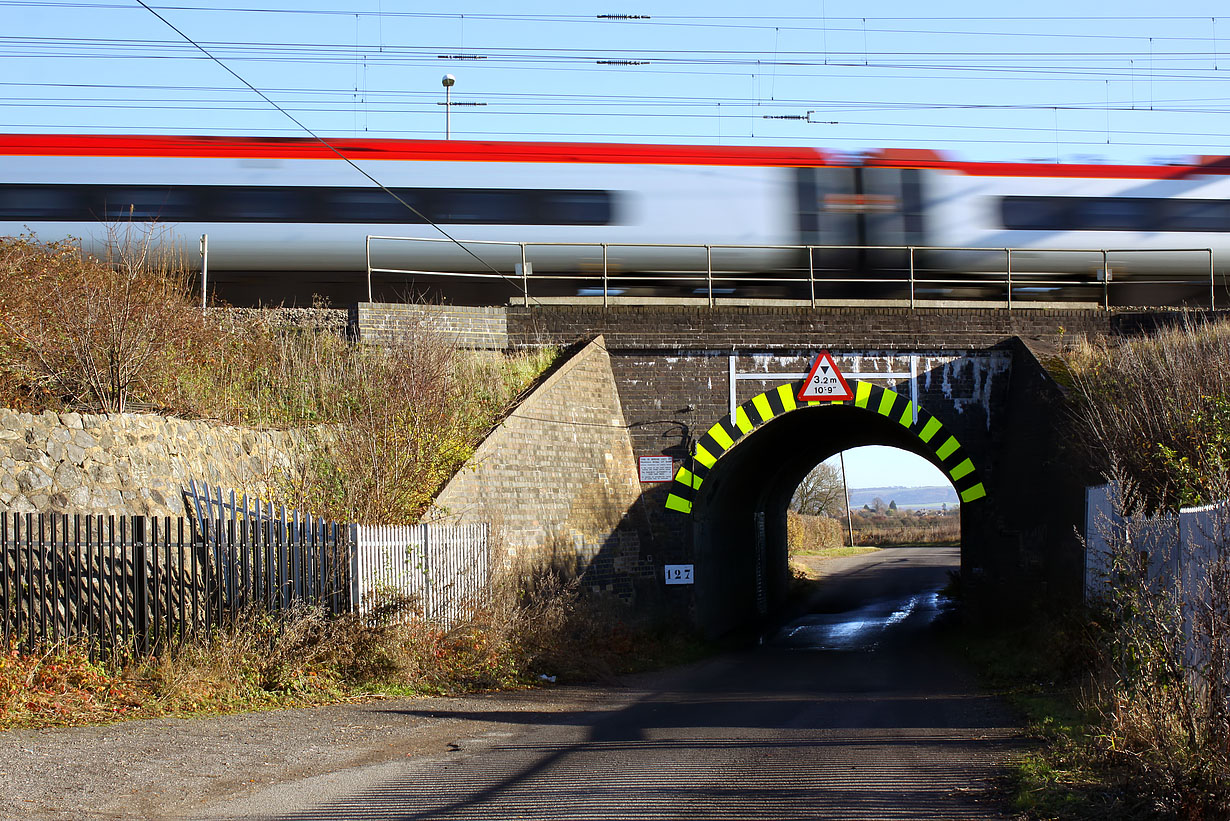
(1132, 697)
(382, 428)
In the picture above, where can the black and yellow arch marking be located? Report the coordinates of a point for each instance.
(755, 412)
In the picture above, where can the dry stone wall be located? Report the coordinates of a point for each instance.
(130, 464)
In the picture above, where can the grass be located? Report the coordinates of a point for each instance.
(835, 552)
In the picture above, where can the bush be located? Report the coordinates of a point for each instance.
(805, 533)
(81, 330)
(1156, 410)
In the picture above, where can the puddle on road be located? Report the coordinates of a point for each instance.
(861, 629)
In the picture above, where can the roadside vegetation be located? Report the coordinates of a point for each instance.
(1132, 696)
(382, 428)
(538, 628)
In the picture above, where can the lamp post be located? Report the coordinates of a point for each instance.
(447, 81)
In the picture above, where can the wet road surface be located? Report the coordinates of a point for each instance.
(852, 712)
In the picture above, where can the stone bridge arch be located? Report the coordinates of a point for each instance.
(745, 467)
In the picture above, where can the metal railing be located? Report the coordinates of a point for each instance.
(1008, 279)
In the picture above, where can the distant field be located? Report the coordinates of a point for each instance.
(913, 498)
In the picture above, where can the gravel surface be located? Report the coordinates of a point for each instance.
(168, 768)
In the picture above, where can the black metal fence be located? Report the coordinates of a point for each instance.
(132, 583)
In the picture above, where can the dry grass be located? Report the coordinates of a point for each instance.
(537, 623)
(1154, 414)
(906, 528)
(1156, 409)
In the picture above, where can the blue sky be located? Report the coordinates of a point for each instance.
(875, 466)
(984, 81)
(1048, 81)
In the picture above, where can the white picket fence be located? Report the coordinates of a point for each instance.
(443, 569)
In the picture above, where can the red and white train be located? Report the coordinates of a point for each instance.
(274, 205)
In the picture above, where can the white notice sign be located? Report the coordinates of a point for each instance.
(678, 574)
(657, 468)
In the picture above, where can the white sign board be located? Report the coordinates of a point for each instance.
(657, 468)
(678, 574)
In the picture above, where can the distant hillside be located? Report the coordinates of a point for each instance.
(905, 497)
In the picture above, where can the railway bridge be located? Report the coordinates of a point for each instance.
(715, 390)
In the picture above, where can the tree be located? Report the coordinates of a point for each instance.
(820, 493)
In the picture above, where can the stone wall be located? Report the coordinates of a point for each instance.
(476, 328)
(558, 477)
(126, 464)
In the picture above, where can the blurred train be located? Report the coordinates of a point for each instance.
(290, 208)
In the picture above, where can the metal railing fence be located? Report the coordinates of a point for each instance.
(711, 280)
(137, 584)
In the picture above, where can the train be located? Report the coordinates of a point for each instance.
(291, 212)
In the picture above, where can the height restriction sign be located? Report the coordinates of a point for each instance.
(825, 383)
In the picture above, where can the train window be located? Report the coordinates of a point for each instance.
(368, 205)
(321, 205)
(261, 204)
(1037, 213)
(31, 202)
(1113, 214)
(144, 204)
(497, 207)
(1194, 215)
(1142, 214)
(575, 208)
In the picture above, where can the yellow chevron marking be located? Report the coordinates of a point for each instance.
(886, 402)
(687, 477)
(741, 421)
(720, 436)
(930, 429)
(861, 394)
(786, 393)
(907, 418)
(674, 502)
(761, 404)
(963, 469)
(976, 492)
(948, 448)
(705, 457)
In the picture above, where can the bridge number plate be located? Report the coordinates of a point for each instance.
(678, 574)
(825, 383)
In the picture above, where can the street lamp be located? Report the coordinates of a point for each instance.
(447, 81)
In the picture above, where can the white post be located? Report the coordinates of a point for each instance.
(204, 272)
(845, 489)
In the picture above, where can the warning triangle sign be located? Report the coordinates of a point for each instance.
(825, 383)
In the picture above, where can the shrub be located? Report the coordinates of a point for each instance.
(805, 533)
(84, 330)
(1156, 409)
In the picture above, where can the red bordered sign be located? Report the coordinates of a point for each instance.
(825, 383)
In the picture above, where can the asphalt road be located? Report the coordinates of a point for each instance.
(851, 713)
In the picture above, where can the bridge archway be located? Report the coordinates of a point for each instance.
(745, 469)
